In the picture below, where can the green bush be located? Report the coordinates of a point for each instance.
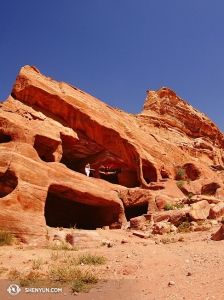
(184, 227)
(6, 238)
(168, 206)
(180, 183)
(180, 174)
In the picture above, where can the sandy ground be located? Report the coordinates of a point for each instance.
(137, 269)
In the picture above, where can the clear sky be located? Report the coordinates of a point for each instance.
(116, 50)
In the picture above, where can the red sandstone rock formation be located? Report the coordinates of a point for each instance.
(50, 130)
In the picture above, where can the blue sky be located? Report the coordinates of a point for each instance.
(116, 50)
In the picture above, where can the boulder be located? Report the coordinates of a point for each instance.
(162, 200)
(199, 210)
(217, 210)
(137, 223)
(161, 228)
(219, 235)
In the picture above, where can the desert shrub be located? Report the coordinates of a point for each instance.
(168, 206)
(37, 263)
(3, 270)
(179, 205)
(31, 278)
(79, 279)
(62, 246)
(180, 174)
(6, 238)
(14, 274)
(190, 195)
(168, 240)
(180, 183)
(84, 282)
(90, 259)
(54, 255)
(184, 227)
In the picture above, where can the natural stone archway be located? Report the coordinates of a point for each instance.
(5, 138)
(45, 147)
(8, 182)
(68, 209)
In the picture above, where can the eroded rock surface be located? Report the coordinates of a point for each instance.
(50, 130)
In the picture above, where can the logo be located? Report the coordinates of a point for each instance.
(13, 289)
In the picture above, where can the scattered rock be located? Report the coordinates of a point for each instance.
(138, 222)
(217, 210)
(199, 210)
(219, 235)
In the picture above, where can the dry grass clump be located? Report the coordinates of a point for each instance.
(6, 238)
(62, 246)
(91, 259)
(64, 269)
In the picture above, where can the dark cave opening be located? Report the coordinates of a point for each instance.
(149, 173)
(45, 147)
(112, 178)
(69, 213)
(8, 182)
(135, 211)
(5, 138)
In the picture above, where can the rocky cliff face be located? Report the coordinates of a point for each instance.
(50, 130)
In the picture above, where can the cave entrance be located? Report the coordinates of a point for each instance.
(8, 182)
(45, 147)
(61, 211)
(112, 178)
(149, 172)
(5, 138)
(135, 211)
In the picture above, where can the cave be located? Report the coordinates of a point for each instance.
(135, 211)
(112, 178)
(45, 147)
(149, 172)
(8, 182)
(5, 138)
(66, 211)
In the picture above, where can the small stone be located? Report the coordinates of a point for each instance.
(171, 283)
(128, 256)
(124, 241)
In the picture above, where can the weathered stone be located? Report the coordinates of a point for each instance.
(177, 217)
(174, 216)
(217, 210)
(199, 210)
(141, 234)
(219, 235)
(162, 200)
(161, 228)
(137, 223)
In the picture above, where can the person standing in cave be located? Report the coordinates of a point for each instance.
(87, 169)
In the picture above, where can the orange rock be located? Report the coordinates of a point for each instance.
(50, 130)
(199, 210)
